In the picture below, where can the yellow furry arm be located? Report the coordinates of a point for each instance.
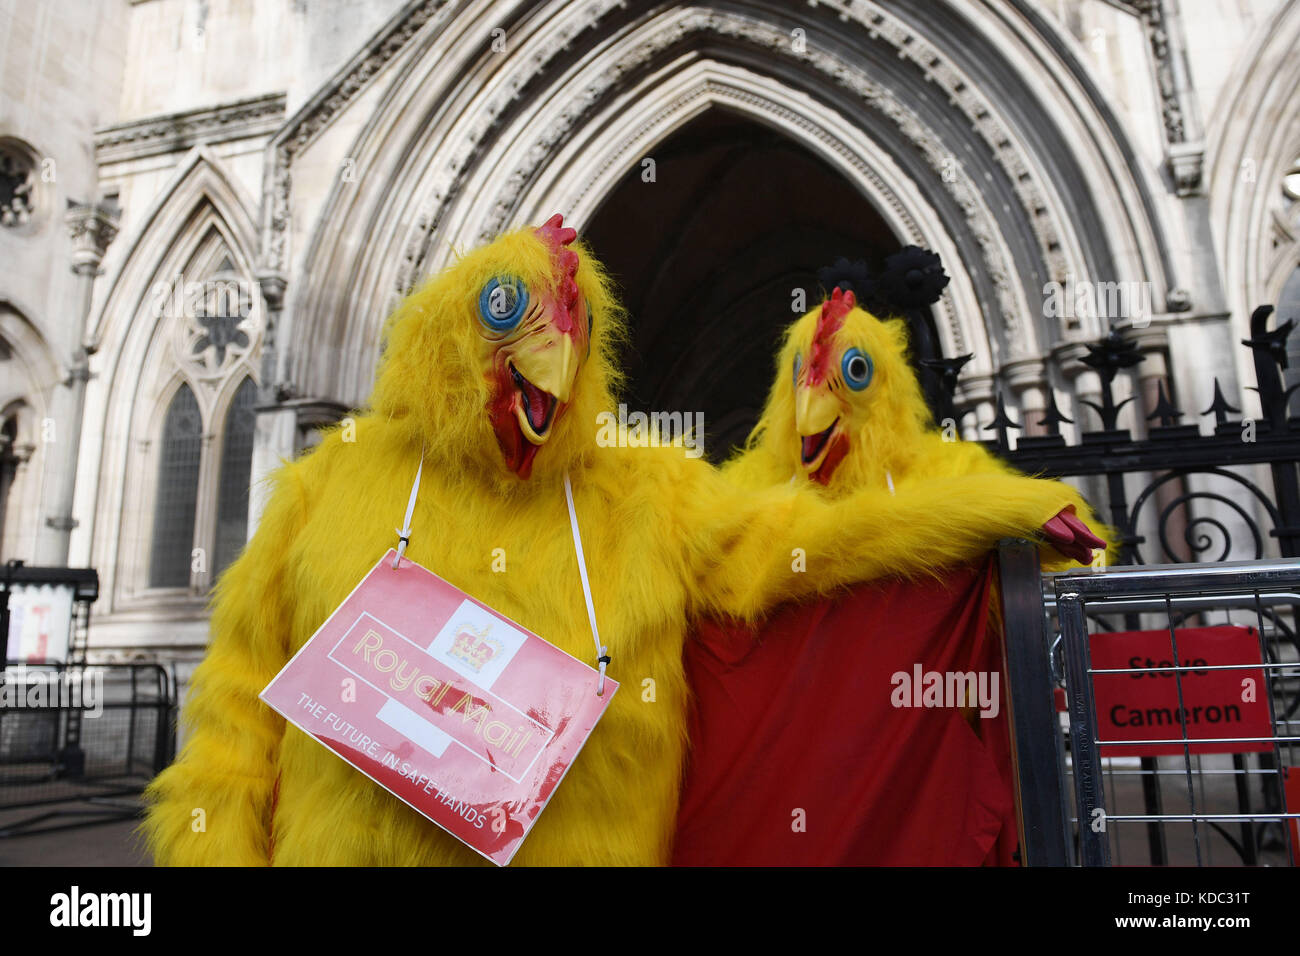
(213, 805)
(941, 459)
(753, 551)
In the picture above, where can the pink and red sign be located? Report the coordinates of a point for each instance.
(1219, 707)
(460, 712)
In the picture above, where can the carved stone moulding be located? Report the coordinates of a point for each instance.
(1024, 373)
(594, 90)
(673, 27)
(91, 226)
(1186, 162)
(176, 132)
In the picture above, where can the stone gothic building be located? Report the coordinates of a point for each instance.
(208, 207)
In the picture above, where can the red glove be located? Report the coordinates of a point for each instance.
(1071, 537)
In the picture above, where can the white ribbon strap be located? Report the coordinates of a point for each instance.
(602, 652)
(404, 532)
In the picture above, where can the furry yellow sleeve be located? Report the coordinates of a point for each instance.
(213, 805)
(941, 459)
(749, 552)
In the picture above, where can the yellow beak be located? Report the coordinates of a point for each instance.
(549, 361)
(815, 409)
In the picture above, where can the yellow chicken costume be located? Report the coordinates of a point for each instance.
(846, 412)
(496, 371)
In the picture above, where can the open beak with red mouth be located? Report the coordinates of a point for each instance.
(823, 442)
(814, 449)
(536, 361)
(522, 415)
(536, 411)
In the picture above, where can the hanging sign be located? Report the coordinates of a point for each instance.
(1216, 705)
(463, 714)
(40, 623)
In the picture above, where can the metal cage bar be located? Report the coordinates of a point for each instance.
(1090, 794)
(1037, 763)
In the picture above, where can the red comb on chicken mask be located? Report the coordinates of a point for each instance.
(539, 338)
(819, 405)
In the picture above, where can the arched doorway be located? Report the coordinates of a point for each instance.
(708, 255)
(938, 122)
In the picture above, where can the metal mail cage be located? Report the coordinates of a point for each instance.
(1082, 804)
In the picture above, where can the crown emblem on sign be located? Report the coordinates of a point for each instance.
(474, 647)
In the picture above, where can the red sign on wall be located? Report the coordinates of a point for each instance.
(461, 713)
(1216, 704)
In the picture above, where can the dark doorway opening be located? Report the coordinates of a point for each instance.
(708, 257)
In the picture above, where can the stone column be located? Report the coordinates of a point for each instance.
(1086, 382)
(1027, 378)
(92, 227)
(1180, 107)
(1153, 372)
(1087, 387)
(274, 438)
(975, 392)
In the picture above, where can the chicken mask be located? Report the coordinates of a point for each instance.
(500, 359)
(847, 412)
(852, 387)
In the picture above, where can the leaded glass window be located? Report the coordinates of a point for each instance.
(177, 494)
(236, 470)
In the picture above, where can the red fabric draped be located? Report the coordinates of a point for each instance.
(797, 715)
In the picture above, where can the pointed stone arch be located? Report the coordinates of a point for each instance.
(31, 373)
(1252, 147)
(22, 343)
(200, 188)
(201, 226)
(465, 141)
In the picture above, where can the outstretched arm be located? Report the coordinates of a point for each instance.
(1069, 537)
(750, 551)
(213, 805)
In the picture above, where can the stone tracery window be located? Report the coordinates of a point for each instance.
(236, 470)
(216, 331)
(182, 523)
(198, 474)
(177, 492)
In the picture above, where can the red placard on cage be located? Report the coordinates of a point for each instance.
(1221, 709)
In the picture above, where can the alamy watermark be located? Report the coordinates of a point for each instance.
(219, 296)
(922, 688)
(1112, 301)
(76, 908)
(651, 430)
(26, 688)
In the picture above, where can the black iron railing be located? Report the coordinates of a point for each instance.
(1172, 453)
(81, 741)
